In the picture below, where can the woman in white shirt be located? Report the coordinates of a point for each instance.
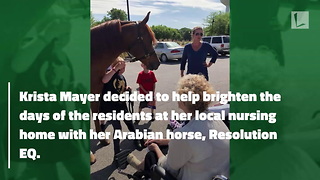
(192, 158)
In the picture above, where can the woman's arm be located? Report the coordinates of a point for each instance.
(180, 152)
(208, 64)
(154, 147)
(160, 142)
(214, 56)
(183, 61)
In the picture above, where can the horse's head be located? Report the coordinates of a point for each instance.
(139, 39)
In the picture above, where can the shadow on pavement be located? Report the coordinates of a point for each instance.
(95, 144)
(224, 56)
(171, 62)
(104, 173)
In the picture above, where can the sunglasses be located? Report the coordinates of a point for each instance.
(197, 34)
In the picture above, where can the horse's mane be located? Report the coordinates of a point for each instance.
(113, 25)
(149, 30)
(107, 36)
(153, 37)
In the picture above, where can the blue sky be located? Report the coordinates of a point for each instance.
(171, 13)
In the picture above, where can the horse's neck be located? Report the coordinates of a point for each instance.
(105, 54)
(113, 51)
(110, 58)
(107, 43)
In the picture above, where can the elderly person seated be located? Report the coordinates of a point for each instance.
(190, 159)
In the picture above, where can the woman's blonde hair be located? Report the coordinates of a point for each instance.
(116, 61)
(197, 84)
(196, 28)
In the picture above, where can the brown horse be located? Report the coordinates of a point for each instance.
(112, 38)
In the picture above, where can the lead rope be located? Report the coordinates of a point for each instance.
(130, 103)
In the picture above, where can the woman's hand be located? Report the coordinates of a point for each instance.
(182, 73)
(207, 64)
(153, 147)
(160, 142)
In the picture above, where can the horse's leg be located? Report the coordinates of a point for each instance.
(95, 109)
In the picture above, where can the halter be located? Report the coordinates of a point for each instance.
(139, 40)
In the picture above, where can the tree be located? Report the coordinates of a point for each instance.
(115, 13)
(185, 34)
(164, 32)
(175, 34)
(217, 23)
(112, 14)
(160, 31)
(104, 19)
(93, 22)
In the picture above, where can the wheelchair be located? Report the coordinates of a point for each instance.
(157, 172)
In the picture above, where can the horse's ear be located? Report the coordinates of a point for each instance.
(145, 20)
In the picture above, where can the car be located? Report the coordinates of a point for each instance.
(168, 50)
(220, 43)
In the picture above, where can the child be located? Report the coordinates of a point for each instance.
(147, 83)
(115, 82)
